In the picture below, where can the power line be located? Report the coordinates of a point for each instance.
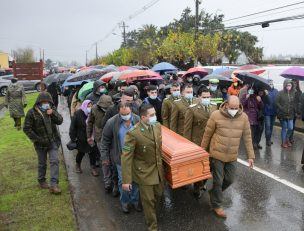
(132, 16)
(296, 17)
(284, 11)
(265, 11)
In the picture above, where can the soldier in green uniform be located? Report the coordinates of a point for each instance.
(179, 109)
(142, 162)
(196, 118)
(167, 104)
(216, 94)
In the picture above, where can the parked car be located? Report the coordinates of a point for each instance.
(5, 80)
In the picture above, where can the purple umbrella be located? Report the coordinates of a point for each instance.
(296, 73)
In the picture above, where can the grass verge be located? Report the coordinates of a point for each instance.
(23, 205)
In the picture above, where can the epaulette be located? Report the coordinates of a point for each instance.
(192, 105)
(177, 100)
(133, 128)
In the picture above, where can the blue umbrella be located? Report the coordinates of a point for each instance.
(163, 67)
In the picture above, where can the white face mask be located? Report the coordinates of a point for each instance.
(232, 112)
(89, 110)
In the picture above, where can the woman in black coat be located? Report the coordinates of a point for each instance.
(78, 134)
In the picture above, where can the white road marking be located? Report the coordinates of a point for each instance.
(272, 176)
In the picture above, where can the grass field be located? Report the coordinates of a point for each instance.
(23, 205)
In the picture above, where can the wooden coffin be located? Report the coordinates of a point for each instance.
(184, 162)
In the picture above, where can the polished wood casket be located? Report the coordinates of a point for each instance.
(184, 161)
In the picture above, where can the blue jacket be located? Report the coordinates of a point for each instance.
(270, 107)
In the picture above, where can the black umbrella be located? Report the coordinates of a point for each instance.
(254, 80)
(93, 74)
(223, 81)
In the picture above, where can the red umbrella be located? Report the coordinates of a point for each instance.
(249, 68)
(124, 68)
(196, 71)
(139, 75)
(107, 77)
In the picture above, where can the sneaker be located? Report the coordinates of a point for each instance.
(55, 189)
(94, 172)
(259, 146)
(44, 185)
(268, 143)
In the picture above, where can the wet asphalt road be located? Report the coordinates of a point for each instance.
(254, 202)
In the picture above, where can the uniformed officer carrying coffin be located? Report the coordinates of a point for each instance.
(142, 162)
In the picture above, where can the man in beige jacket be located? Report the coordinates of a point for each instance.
(222, 138)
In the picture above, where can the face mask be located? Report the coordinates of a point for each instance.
(288, 88)
(102, 91)
(176, 94)
(232, 112)
(213, 88)
(152, 120)
(190, 80)
(235, 84)
(125, 117)
(205, 102)
(45, 106)
(250, 91)
(189, 96)
(153, 96)
(89, 110)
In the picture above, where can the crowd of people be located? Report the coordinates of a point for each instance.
(118, 126)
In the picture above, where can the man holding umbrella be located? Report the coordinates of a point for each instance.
(216, 94)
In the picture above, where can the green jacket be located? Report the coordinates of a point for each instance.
(178, 111)
(40, 127)
(141, 157)
(196, 119)
(166, 110)
(15, 99)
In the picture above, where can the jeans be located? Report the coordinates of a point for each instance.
(127, 197)
(293, 128)
(52, 150)
(223, 176)
(287, 127)
(269, 123)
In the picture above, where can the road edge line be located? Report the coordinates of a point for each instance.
(274, 177)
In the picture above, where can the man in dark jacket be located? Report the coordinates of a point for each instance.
(94, 132)
(111, 148)
(99, 89)
(40, 126)
(270, 112)
(154, 100)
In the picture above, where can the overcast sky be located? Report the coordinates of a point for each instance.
(67, 28)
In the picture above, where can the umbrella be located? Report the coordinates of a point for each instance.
(294, 73)
(164, 66)
(56, 78)
(196, 71)
(85, 90)
(93, 74)
(124, 68)
(108, 76)
(140, 67)
(118, 74)
(255, 80)
(253, 69)
(224, 81)
(139, 75)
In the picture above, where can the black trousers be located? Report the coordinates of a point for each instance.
(256, 132)
(92, 156)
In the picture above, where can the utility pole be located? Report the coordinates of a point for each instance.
(96, 55)
(197, 3)
(43, 55)
(124, 34)
(86, 61)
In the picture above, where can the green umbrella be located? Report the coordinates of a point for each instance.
(85, 90)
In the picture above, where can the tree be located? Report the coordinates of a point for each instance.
(24, 55)
(206, 49)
